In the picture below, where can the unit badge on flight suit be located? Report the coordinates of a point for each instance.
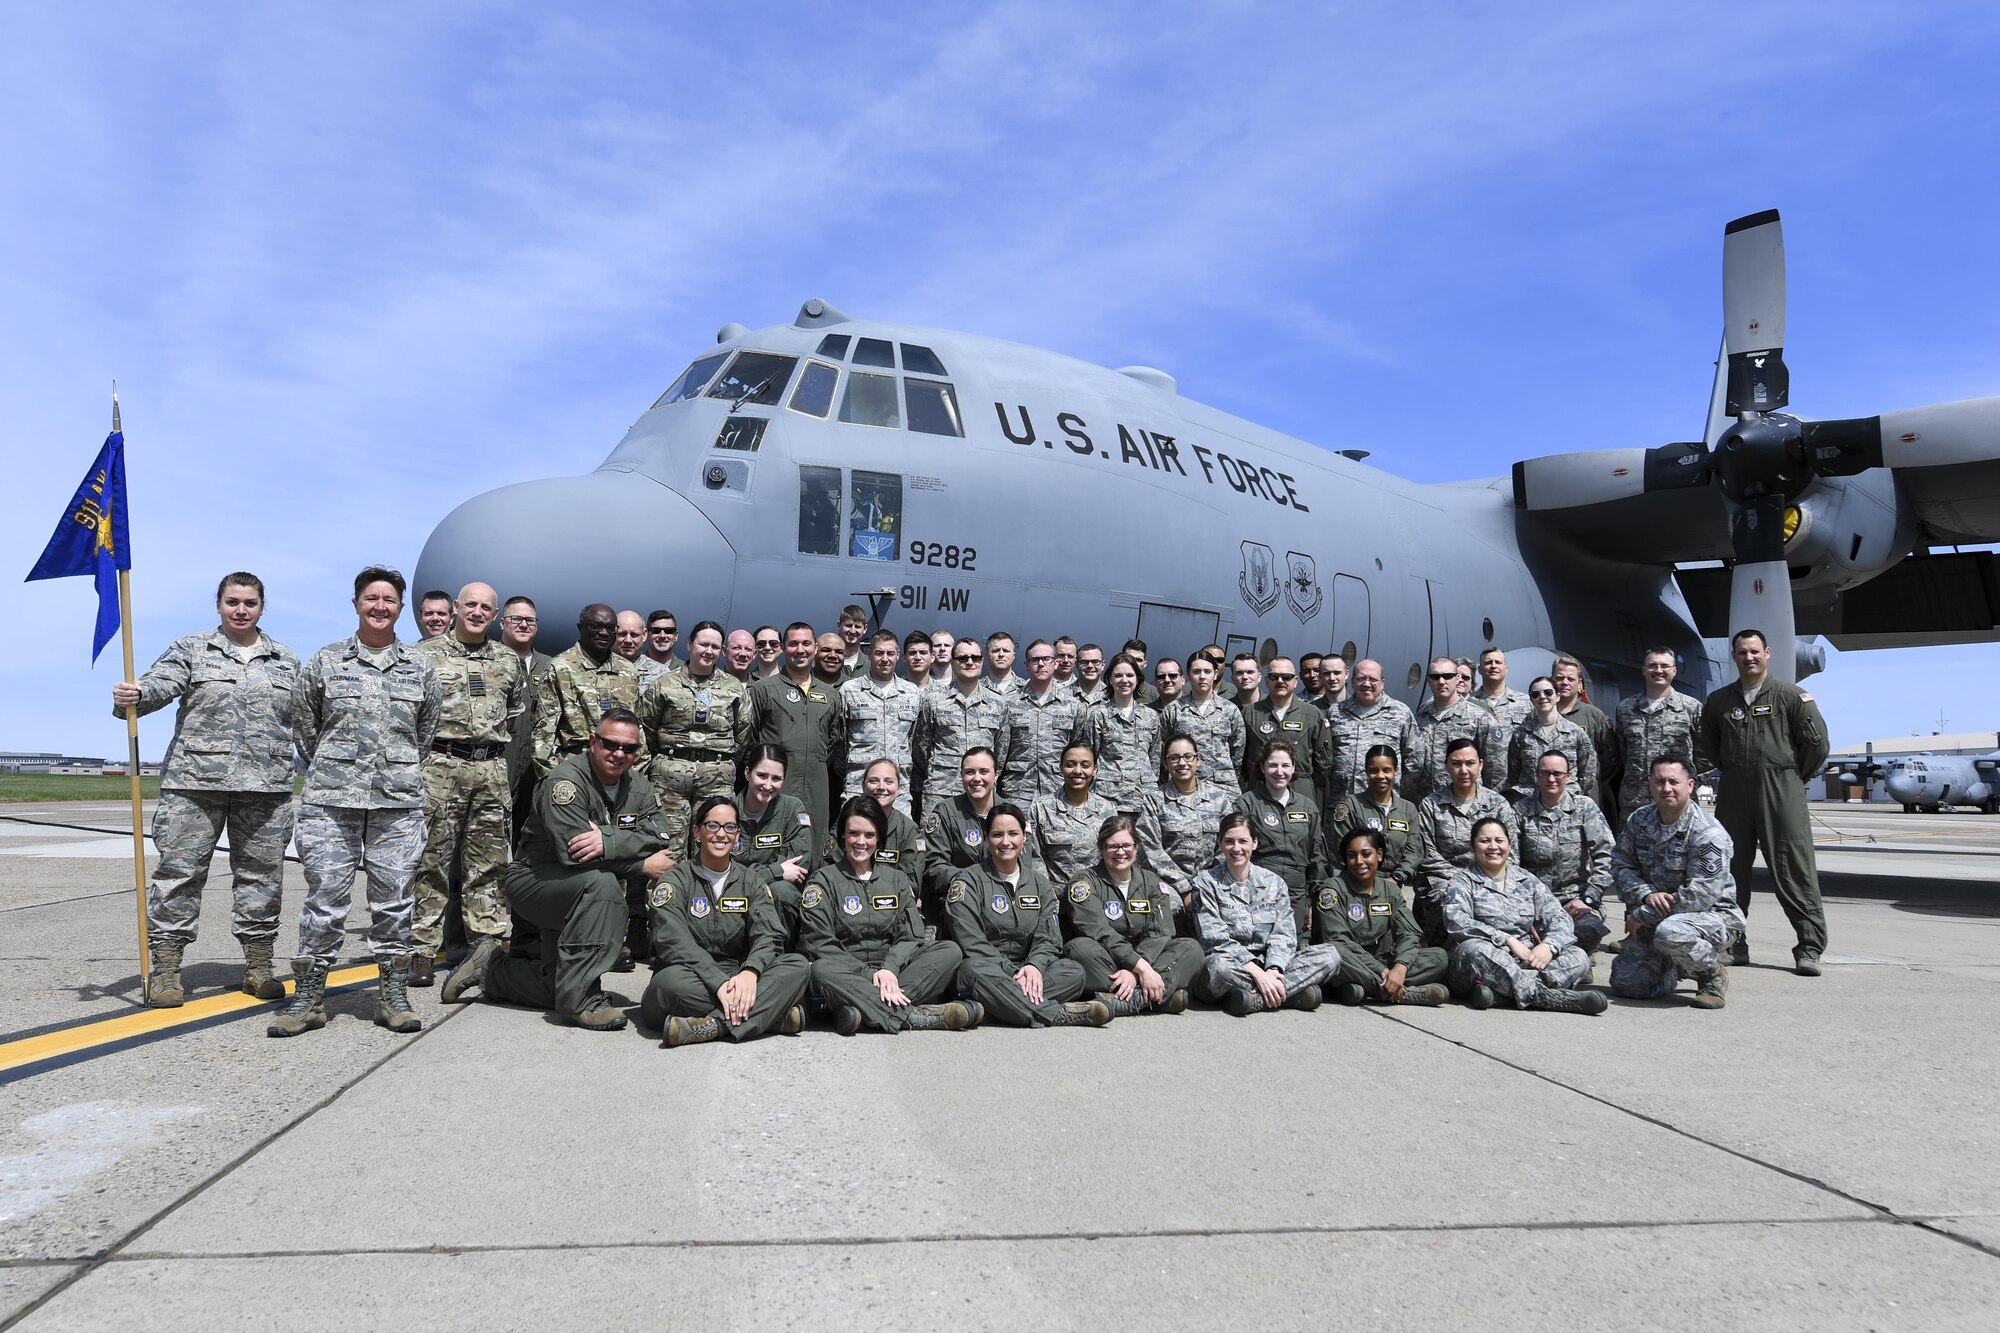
(851, 904)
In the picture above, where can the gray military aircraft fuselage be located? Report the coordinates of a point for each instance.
(972, 484)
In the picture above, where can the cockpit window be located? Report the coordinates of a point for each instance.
(870, 400)
(744, 433)
(933, 407)
(875, 352)
(921, 360)
(692, 379)
(814, 396)
(755, 377)
(819, 511)
(834, 345)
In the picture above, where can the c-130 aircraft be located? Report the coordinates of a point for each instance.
(965, 483)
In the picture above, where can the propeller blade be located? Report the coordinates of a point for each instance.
(1753, 311)
(1719, 419)
(1563, 481)
(1760, 598)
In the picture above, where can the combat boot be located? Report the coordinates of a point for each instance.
(1739, 952)
(1083, 1014)
(939, 1018)
(163, 980)
(1123, 1008)
(1805, 961)
(472, 972)
(1711, 990)
(1304, 1000)
(691, 1031)
(1345, 992)
(975, 1012)
(1244, 1002)
(847, 1020)
(794, 1022)
(1558, 1001)
(257, 976)
(423, 968)
(1480, 996)
(307, 1010)
(392, 996)
(1428, 996)
(601, 1017)
(1177, 1002)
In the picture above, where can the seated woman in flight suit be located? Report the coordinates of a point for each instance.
(1121, 922)
(777, 833)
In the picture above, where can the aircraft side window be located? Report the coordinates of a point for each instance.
(755, 377)
(933, 407)
(875, 352)
(814, 396)
(693, 379)
(875, 519)
(922, 361)
(742, 433)
(834, 345)
(819, 510)
(870, 400)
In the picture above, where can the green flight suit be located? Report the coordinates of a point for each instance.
(769, 840)
(904, 848)
(853, 928)
(580, 905)
(1305, 727)
(808, 724)
(705, 934)
(1768, 750)
(1110, 930)
(1397, 822)
(954, 840)
(1374, 932)
(1003, 928)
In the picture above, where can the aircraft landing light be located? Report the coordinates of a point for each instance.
(26, 1056)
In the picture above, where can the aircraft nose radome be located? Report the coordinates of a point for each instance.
(1901, 787)
(614, 537)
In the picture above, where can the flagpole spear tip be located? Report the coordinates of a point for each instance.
(114, 407)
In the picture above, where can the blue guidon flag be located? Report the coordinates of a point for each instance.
(92, 537)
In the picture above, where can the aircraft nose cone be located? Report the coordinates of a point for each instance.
(1901, 787)
(615, 537)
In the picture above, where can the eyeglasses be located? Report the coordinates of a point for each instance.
(1180, 759)
(966, 657)
(714, 826)
(1541, 694)
(1039, 661)
(519, 620)
(617, 747)
(1547, 773)
(767, 643)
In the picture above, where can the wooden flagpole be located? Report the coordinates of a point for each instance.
(132, 748)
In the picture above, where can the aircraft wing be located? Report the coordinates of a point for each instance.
(1647, 527)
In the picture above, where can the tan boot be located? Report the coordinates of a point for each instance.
(163, 982)
(258, 979)
(392, 1003)
(307, 1010)
(691, 1031)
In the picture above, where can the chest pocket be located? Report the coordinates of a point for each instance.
(627, 821)
(1399, 826)
(735, 905)
(1289, 725)
(1140, 906)
(888, 856)
(1029, 902)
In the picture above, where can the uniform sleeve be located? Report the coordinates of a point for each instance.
(1316, 867)
(1588, 761)
(962, 902)
(756, 728)
(767, 931)
(673, 937)
(1495, 754)
(564, 819)
(937, 868)
(1557, 930)
(1283, 945)
(1156, 747)
(1460, 922)
(920, 748)
(164, 681)
(817, 937)
(1809, 742)
(431, 711)
(1628, 878)
(1707, 737)
(909, 925)
(1597, 845)
(308, 702)
(651, 709)
(1329, 922)
(1433, 871)
(1512, 822)
(739, 728)
(1709, 883)
(517, 690)
(1239, 736)
(548, 710)
(1213, 927)
(626, 845)
(1153, 846)
(1046, 946)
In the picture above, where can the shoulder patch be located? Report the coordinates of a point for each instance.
(1079, 891)
(812, 897)
(1805, 698)
(805, 820)
(1328, 900)
(663, 894)
(564, 792)
(957, 893)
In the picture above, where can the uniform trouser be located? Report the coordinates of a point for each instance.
(1497, 968)
(1302, 903)
(1366, 972)
(808, 782)
(683, 784)
(186, 827)
(1686, 944)
(1310, 966)
(678, 991)
(1590, 929)
(580, 913)
(466, 808)
(991, 982)
(1178, 961)
(1767, 807)
(334, 843)
(1428, 909)
(929, 976)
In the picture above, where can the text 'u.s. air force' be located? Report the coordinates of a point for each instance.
(1151, 449)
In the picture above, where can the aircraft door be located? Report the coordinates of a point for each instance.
(1175, 631)
(1350, 618)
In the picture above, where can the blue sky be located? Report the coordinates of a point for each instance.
(352, 266)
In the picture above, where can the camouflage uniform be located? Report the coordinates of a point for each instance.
(1355, 731)
(1481, 915)
(363, 728)
(1128, 748)
(705, 934)
(573, 695)
(1253, 922)
(466, 798)
(650, 670)
(1510, 708)
(229, 766)
(1111, 929)
(1311, 739)
(1003, 928)
(1216, 728)
(694, 729)
(1399, 823)
(1689, 860)
(1447, 828)
(1431, 730)
(1511, 756)
(1374, 931)
(1065, 835)
(950, 722)
(879, 720)
(1650, 729)
(804, 723)
(853, 928)
(1188, 826)
(1034, 731)
(1568, 847)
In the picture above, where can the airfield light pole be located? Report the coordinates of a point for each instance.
(132, 748)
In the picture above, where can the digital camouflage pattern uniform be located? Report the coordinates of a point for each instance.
(704, 934)
(1066, 835)
(1400, 825)
(229, 767)
(1253, 922)
(1128, 746)
(950, 722)
(1290, 843)
(573, 696)
(878, 721)
(1510, 708)
(1112, 928)
(803, 722)
(853, 928)
(1356, 730)
(1511, 756)
(579, 907)
(1650, 729)
(1003, 928)
(1690, 860)
(651, 670)
(1034, 731)
(1188, 824)
(1311, 738)
(1568, 847)
(363, 719)
(1431, 730)
(467, 803)
(1374, 931)
(1446, 823)
(693, 729)
(1216, 728)
(1482, 915)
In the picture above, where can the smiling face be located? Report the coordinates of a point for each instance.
(1368, 683)
(241, 607)
(883, 781)
(883, 655)
(799, 649)
(717, 833)
(1124, 680)
(831, 654)
(766, 779)
(1079, 769)
(704, 650)
(477, 605)
(1238, 843)
(1361, 860)
(976, 774)
(628, 635)
(1120, 850)
(518, 625)
(613, 748)
(1381, 777)
(1489, 848)
(434, 616)
(859, 840)
(1279, 768)
(741, 649)
(1004, 837)
(1183, 763)
(595, 630)
(378, 606)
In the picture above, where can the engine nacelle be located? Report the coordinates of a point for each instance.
(1849, 530)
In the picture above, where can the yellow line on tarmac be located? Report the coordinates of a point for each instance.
(146, 1022)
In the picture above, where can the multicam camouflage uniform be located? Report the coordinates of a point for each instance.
(229, 767)
(1690, 860)
(363, 718)
(1481, 915)
(467, 802)
(694, 729)
(879, 718)
(573, 695)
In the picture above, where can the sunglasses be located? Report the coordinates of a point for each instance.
(617, 747)
(1541, 694)
(962, 657)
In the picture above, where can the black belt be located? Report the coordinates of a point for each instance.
(699, 756)
(457, 751)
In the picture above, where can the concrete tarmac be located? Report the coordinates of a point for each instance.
(1821, 1152)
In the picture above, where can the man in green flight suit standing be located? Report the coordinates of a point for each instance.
(795, 712)
(1768, 738)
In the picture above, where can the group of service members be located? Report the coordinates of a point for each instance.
(914, 836)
